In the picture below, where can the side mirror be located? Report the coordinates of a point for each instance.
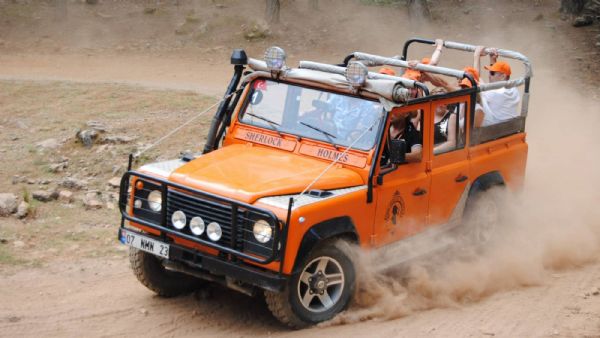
(397, 151)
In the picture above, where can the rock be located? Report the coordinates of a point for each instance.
(57, 167)
(538, 17)
(584, 20)
(65, 196)
(23, 210)
(90, 201)
(44, 195)
(149, 10)
(50, 143)
(8, 204)
(18, 244)
(257, 31)
(144, 311)
(31, 181)
(114, 182)
(73, 183)
(44, 182)
(87, 137)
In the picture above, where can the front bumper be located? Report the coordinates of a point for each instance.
(229, 264)
(212, 268)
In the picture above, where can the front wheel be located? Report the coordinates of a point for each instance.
(152, 274)
(322, 287)
(483, 215)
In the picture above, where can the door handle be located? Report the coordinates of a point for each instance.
(419, 192)
(461, 178)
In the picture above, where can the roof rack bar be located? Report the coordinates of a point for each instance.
(408, 83)
(376, 60)
(323, 67)
(409, 42)
(501, 52)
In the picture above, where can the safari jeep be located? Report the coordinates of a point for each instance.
(299, 165)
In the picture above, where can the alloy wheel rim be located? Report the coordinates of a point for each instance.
(321, 284)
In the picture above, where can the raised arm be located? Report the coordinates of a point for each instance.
(439, 81)
(435, 57)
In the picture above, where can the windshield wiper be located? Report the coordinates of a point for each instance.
(273, 124)
(329, 136)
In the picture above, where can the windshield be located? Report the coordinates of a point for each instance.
(312, 113)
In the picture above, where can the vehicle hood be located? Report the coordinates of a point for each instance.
(247, 173)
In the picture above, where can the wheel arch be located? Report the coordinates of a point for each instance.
(486, 181)
(339, 227)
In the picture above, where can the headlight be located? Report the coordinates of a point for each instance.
(155, 200)
(262, 231)
(178, 219)
(197, 226)
(213, 231)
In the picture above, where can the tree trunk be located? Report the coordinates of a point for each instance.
(314, 5)
(572, 7)
(418, 12)
(272, 12)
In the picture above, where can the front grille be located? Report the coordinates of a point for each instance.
(235, 218)
(209, 211)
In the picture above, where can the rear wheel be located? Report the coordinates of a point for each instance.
(322, 287)
(483, 215)
(152, 274)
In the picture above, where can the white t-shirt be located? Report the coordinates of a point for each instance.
(500, 105)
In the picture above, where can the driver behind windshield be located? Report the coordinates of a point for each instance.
(351, 116)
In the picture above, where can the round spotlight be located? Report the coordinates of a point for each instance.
(356, 74)
(137, 204)
(262, 231)
(197, 226)
(155, 200)
(178, 219)
(213, 231)
(275, 58)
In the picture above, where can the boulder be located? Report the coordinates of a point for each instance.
(87, 137)
(73, 183)
(44, 195)
(8, 204)
(117, 139)
(114, 182)
(91, 201)
(65, 196)
(23, 210)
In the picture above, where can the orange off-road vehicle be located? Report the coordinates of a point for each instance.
(299, 163)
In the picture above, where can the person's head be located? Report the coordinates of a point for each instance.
(499, 71)
(387, 71)
(442, 108)
(414, 74)
(466, 83)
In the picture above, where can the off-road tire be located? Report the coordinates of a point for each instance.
(152, 274)
(287, 307)
(479, 227)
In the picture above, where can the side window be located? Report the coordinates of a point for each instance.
(406, 126)
(449, 125)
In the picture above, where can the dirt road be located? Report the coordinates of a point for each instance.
(546, 286)
(102, 298)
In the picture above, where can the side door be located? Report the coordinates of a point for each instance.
(449, 161)
(403, 194)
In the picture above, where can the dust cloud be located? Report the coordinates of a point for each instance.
(552, 225)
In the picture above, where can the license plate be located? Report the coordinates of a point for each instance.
(144, 243)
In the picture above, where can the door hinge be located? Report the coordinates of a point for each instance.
(428, 166)
(373, 239)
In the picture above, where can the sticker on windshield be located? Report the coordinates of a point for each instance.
(267, 140)
(330, 154)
